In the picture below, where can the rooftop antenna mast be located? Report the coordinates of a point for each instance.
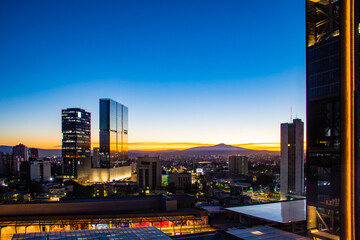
(291, 114)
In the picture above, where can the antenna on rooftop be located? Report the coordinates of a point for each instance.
(291, 114)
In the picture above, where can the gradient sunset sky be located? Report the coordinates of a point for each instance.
(190, 72)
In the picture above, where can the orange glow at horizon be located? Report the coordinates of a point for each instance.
(157, 146)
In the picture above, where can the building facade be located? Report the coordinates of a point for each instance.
(33, 153)
(238, 164)
(76, 143)
(113, 134)
(148, 172)
(333, 166)
(20, 152)
(181, 180)
(292, 159)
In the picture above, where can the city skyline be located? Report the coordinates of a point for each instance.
(206, 75)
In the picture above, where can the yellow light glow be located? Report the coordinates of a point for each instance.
(257, 232)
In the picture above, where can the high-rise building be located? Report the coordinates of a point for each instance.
(21, 152)
(33, 153)
(76, 143)
(332, 161)
(113, 134)
(292, 159)
(148, 172)
(238, 164)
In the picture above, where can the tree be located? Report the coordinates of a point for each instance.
(264, 180)
(171, 188)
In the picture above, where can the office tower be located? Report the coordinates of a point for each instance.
(238, 164)
(148, 172)
(76, 143)
(332, 162)
(33, 153)
(113, 134)
(21, 152)
(292, 159)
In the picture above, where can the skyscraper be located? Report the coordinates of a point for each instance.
(76, 143)
(113, 134)
(333, 166)
(292, 159)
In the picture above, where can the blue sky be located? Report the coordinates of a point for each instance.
(189, 71)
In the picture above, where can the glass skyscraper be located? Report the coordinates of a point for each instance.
(113, 150)
(76, 143)
(332, 163)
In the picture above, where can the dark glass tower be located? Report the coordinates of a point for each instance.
(328, 191)
(113, 134)
(76, 143)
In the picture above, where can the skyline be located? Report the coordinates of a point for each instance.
(207, 74)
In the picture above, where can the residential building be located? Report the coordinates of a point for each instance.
(181, 180)
(238, 164)
(292, 159)
(21, 152)
(37, 169)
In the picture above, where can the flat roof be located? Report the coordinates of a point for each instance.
(115, 233)
(264, 232)
(279, 212)
(213, 209)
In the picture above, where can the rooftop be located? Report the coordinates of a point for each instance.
(264, 232)
(116, 233)
(279, 212)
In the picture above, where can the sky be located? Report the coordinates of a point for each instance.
(191, 72)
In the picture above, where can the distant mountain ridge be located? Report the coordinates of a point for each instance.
(42, 152)
(195, 151)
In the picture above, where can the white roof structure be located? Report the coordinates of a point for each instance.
(279, 212)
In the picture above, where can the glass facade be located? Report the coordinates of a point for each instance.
(113, 134)
(324, 163)
(76, 143)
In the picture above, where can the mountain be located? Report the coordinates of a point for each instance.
(6, 149)
(42, 152)
(219, 147)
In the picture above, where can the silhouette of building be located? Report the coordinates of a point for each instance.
(33, 153)
(292, 159)
(238, 164)
(148, 172)
(113, 134)
(21, 152)
(333, 163)
(76, 143)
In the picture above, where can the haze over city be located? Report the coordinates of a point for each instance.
(201, 74)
